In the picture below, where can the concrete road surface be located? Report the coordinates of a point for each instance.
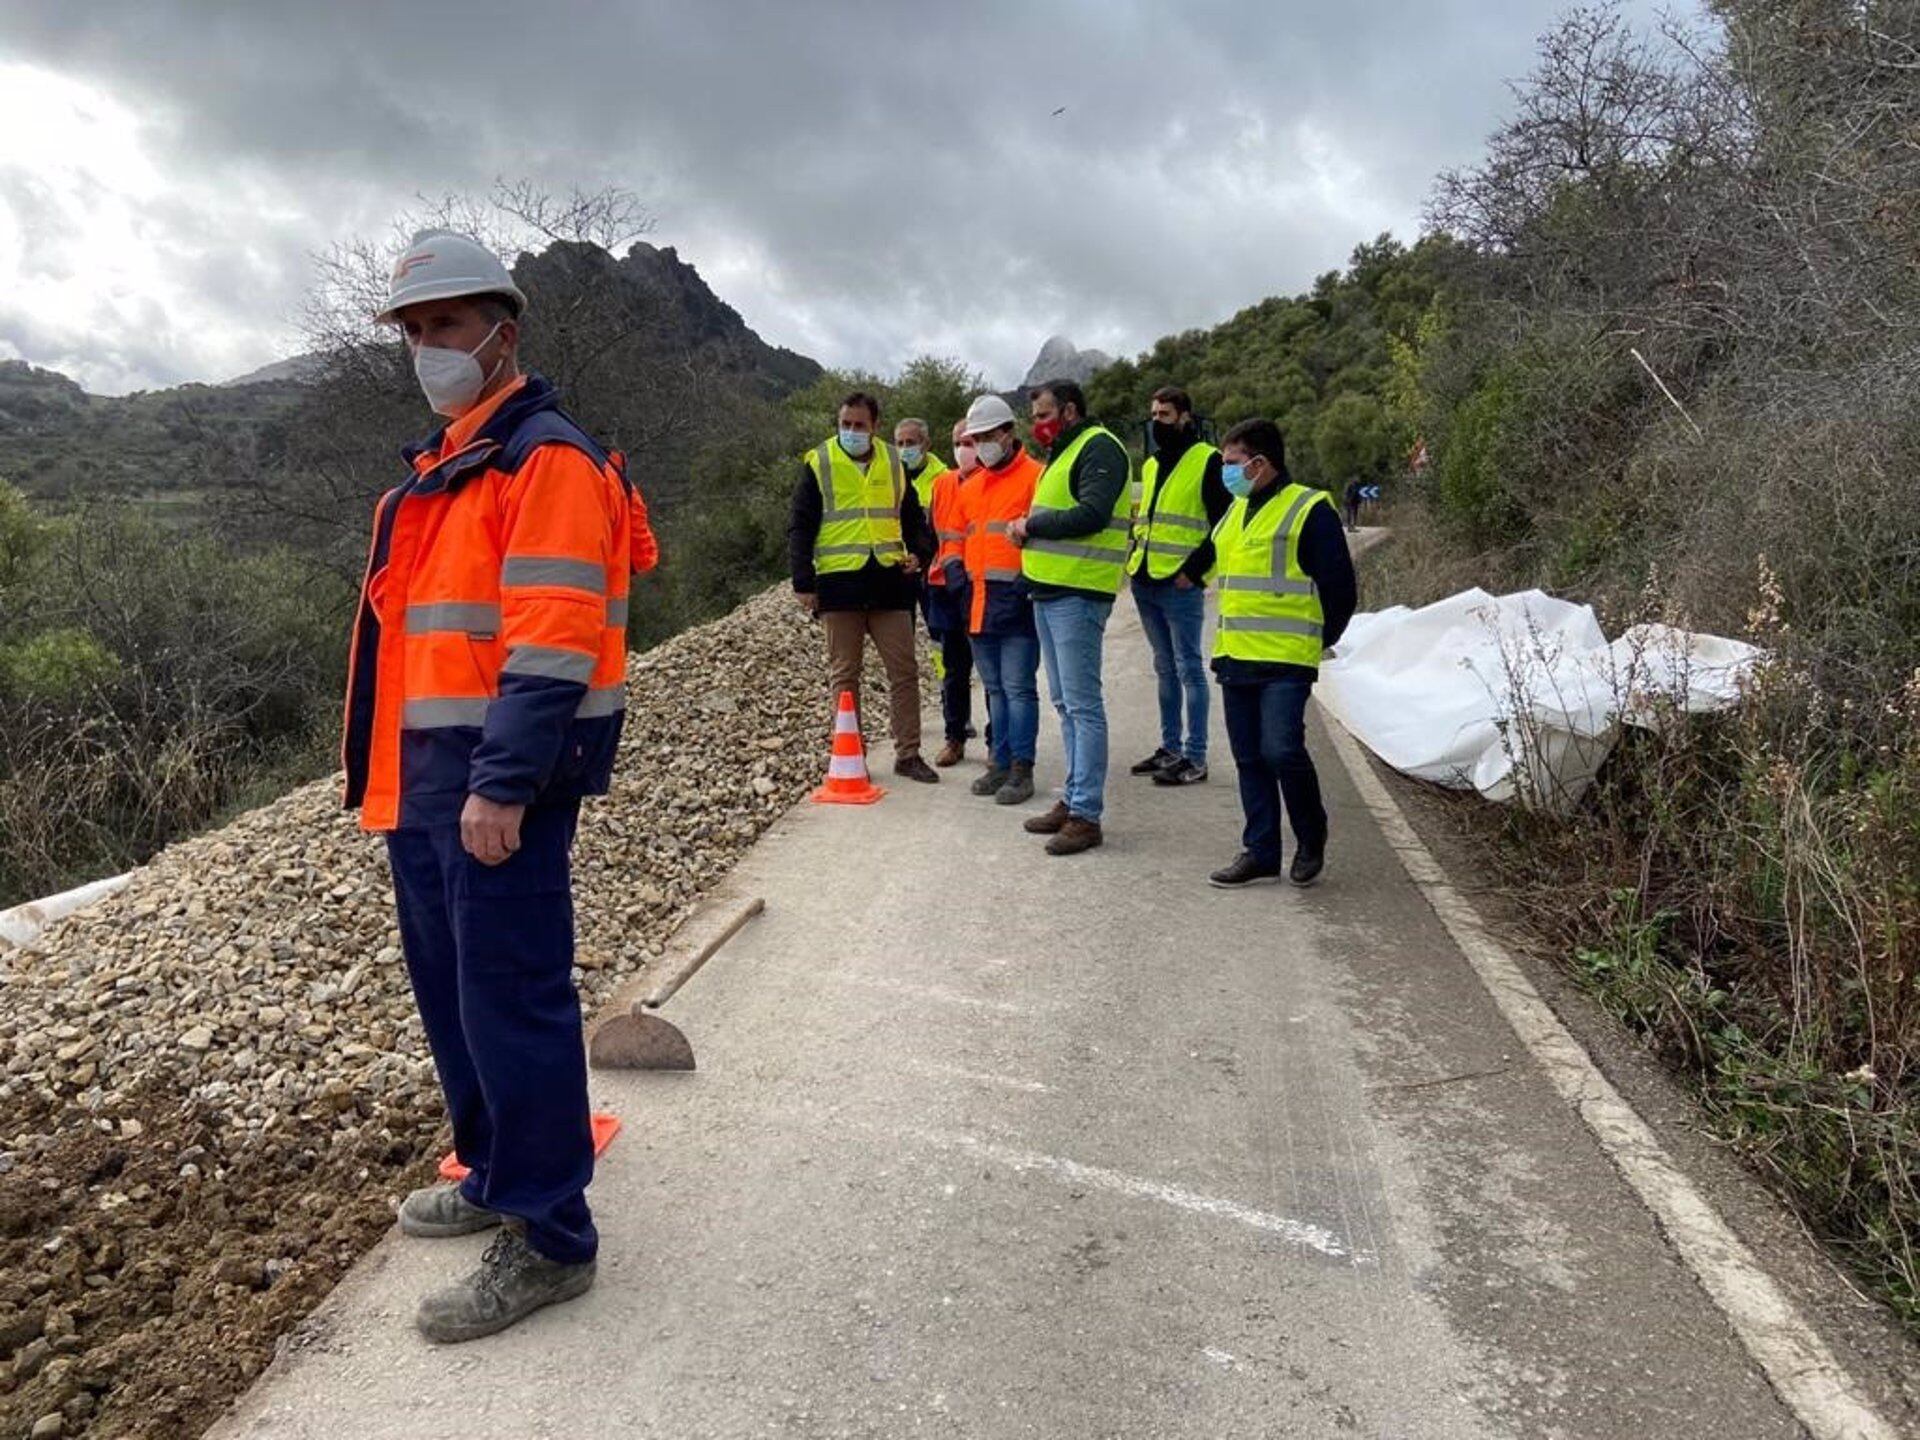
(989, 1144)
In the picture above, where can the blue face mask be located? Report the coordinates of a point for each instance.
(1234, 477)
(911, 454)
(855, 442)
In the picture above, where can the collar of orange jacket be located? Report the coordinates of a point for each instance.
(459, 434)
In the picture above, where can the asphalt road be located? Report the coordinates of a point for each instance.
(989, 1144)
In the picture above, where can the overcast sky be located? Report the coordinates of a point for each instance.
(863, 182)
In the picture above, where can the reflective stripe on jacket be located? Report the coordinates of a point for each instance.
(489, 650)
(1171, 522)
(1269, 608)
(1095, 562)
(993, 499)
(859, 508)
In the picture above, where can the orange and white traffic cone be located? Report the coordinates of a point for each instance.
(847, 780)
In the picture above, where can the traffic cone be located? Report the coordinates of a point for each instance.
(605, 1127)
(847, 780)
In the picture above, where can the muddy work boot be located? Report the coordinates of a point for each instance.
(513, 1281)
(989, 783)
(440, 1211)
(1019, 786)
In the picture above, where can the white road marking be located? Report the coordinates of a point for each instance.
(1790, 1352)
(1300, 1232)
(978, 1077)
(922, 992)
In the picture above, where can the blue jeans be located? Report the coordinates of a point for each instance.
(1267, 728)
(1009, 667)
(1173, 619)
(489, 949)
(1072, 631)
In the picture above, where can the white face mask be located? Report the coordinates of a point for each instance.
(992, 452)
(452, 379)
(966, 459)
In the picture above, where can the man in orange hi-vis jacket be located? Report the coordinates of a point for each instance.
(485, 696)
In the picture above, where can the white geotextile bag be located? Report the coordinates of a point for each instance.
(1519, 697)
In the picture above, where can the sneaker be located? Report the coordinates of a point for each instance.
(1307, 865)
(1244, 871)
(1051, 823)
(1181, 772)
(1018, 788)
(914, 768)
(1156, 762)
(1075, 836)
(990, 783)
(513, 1281)
(951, 754)
(440, 1211)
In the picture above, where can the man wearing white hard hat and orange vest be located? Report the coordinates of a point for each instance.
(485, 695)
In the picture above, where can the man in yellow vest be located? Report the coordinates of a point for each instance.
(1287, 591)
(1181, 500)
(1073, 556)
(857, 540)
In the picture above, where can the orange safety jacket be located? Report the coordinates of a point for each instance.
(489, 650)
(949, 525)
(1002, 602)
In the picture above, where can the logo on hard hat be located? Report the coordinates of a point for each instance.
(411, 262)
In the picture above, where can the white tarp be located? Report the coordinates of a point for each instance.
(1517, 696)
(22, 925)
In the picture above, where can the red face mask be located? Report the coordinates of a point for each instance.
(1045, 432)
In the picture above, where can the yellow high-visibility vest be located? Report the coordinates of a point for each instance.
(1269, 608)
(1167, 531)
(859, 507)
(1096, 562)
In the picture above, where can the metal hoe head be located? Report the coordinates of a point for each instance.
(639, 1040)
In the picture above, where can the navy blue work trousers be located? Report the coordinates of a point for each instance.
(490, 952)
(1267, 728)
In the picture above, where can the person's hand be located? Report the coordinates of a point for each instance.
(1183, 581)
(809, 601)
(1017, 530)
(490, 831)
(912, 565)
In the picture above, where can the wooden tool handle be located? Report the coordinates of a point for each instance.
(668, 987)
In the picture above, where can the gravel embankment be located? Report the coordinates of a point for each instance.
(213, 1088)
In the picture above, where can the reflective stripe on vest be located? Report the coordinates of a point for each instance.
(859, 508)
(1269, 608)
(1172, 526)
(1096, 562)
(456, 711)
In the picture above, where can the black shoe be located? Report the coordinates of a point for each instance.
(1181, 772)
(973, 734)
(512, 1282)
(1244, 871)
(1156, 762)
(914, 768)
(1307, 865)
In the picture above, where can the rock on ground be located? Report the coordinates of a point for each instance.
(213, 1088)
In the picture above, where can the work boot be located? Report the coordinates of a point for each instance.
(513, 1281)
(1245, 871)
(1075, 836)
(1307, 865)
(1155, 763)
(951, 754)
(990, 783)
(1181, 772)
(914, 768)
(440, 1211)
(1051, 823)
(1019, 787)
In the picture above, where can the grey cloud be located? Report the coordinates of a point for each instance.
(898, 165)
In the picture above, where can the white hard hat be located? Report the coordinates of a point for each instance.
(987, 413)
(440, 265)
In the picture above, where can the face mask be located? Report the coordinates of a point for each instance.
(1045, 432)
(992, 453)
(1166, 436)
(966, 458)
(1234, 477)
(911, 455)
(452, 379)
(855, 442)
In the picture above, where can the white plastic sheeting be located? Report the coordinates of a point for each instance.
(22, 926)
(1519, 697)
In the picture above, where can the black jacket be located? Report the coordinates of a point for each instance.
(874, 586)
(1327, 562)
